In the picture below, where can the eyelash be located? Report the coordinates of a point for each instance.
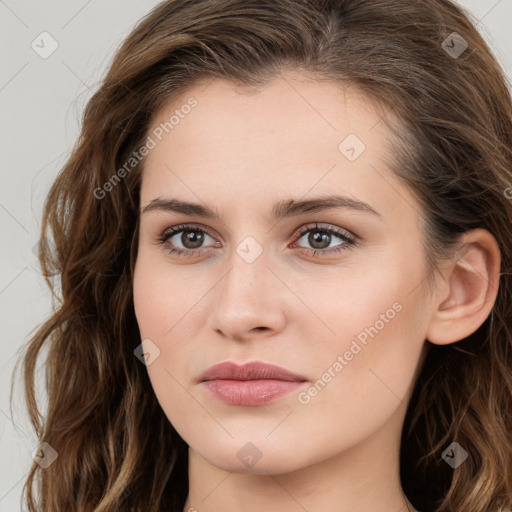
(349, 242)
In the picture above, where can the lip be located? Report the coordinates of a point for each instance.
(253, 383)
(255, 370)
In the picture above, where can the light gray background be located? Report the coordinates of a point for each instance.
(41, 103)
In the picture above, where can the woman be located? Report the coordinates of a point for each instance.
(284, 247)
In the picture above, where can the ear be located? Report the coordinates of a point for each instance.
(470, 288)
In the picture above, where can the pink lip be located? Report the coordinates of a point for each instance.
(253, 383)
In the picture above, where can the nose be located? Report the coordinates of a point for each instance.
(249, 301)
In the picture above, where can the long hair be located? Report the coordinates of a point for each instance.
(452, 146)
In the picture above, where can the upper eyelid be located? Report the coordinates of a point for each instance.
(174, 230)
(329, 227)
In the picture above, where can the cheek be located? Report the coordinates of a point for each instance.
(375, 329)
(364, 373)
(161, 312)
(161, 315)
(160, 299)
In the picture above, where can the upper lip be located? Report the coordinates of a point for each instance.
(255, 370)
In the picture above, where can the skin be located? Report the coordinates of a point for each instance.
(239, 154)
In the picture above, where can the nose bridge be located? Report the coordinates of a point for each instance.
(248, 272)
(245, 298)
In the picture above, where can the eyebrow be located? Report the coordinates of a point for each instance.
(282, 209)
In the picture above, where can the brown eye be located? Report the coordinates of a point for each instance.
(320, 238)
(187, 240)
(184, 240)
(191, 239)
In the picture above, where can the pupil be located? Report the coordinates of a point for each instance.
(323, 238)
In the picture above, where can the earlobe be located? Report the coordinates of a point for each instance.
(473, 280)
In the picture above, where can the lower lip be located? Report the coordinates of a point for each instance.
(250, 392)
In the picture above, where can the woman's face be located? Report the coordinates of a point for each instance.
(264, 281)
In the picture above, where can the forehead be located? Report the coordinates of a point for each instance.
(292, 107)
(291, 136)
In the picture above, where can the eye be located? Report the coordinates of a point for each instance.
(321, 237)
(192, 238)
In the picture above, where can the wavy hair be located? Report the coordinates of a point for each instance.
(452, 146)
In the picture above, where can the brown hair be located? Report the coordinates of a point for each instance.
(117, 451)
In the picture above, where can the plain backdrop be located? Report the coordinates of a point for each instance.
(41, 100)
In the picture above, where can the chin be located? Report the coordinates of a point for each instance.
(266, 465)
(258, 457)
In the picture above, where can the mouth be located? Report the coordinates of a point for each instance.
(254, 383)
